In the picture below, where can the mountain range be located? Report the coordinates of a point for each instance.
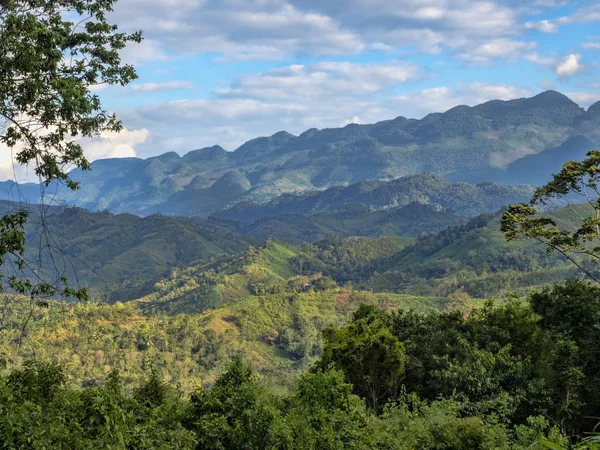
(499, 141)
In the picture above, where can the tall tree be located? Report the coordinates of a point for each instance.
(52, 55)
(370, 356)
(576, 186)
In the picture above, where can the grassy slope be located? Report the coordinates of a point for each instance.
(278, 334)
(259, 269)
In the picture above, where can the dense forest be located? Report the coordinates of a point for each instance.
(518, 375)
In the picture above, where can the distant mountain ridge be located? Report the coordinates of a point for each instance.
(462, 198)
(503, 141)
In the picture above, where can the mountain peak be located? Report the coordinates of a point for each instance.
(232, 183)
(309, 133)
(282, 134)
(595, 108)
(216, 152)
(169, 156)
(550, 98)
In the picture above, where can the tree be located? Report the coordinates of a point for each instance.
(324, 414)
(52, 53)
(234, 413)
(459, 301)
(370, 356)
(577, 182)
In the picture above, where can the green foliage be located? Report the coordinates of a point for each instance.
(510, 362)
(279, 334)
(324, 414)
(572, 312)
(346, 259)
(124, 257)
(238, 411)
(474, 258)
(51, 55)
(576, 179)
(370, 356)
(272, 268)
(234, 413)
(116, 257)
(41, 411)
(413, 424)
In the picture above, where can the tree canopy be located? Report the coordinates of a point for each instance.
(52, 55)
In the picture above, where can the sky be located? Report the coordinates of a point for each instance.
(226, 71)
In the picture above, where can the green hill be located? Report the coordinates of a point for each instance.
(119, 257)
(272, 267)
(463, 198)
(474, 257)
(356, 220)
(279, 334)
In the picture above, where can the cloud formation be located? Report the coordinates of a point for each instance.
(107, 145)
(242, 30)
(297, 64)
(162, 86)
(569, 66)
(586, 14)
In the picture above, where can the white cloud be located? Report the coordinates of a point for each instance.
(108, 145)
(536, 58)
(587, 14)
(569, 66)
(145, 51)
(162, 86)
(240, 30)
(354, 119)
(505, 49)
(545, 26)
(549, 3)
(591, 45)
(113, 144)
(443, 98)
(298, 82)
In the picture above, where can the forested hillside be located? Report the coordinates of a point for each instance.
(429, 331)
(267, 304)
(118, 257)
(428, 189)
(122, 257)
(353, 220)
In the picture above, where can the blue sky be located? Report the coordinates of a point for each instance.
(225, 71)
